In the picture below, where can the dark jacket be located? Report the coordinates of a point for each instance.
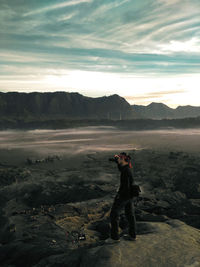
(126, 179)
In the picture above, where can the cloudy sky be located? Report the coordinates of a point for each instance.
(144, 50)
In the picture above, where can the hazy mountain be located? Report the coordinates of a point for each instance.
(64, 105)
(162, 111)
(187, 111)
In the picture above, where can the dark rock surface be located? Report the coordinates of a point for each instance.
(172, 243)
(57, 214)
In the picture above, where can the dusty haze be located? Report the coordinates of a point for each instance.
(93, 139)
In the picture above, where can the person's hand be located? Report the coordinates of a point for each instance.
(117, 157)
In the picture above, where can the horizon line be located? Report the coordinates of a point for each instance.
(153, 102)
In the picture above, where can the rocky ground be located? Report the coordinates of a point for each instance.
(57, 213)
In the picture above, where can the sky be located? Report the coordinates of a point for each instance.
(144, 50)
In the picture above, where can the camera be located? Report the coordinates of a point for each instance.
(121, 155)
(114, 159)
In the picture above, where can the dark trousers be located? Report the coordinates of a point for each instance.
(117, 206)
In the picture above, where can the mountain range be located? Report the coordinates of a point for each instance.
(73, 105)
(162, 111)
(64, 105)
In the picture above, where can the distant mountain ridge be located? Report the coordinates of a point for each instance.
(66, 105)
(162, 111)
(62, 104)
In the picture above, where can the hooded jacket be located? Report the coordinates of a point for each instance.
(126, 179)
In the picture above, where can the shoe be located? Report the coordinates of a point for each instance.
(112, 241)
(130, 238)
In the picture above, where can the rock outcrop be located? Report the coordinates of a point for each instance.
(57, 213)
(170, 243)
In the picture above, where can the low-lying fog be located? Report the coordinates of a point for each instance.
(98, 138)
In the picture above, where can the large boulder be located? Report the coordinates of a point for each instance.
(172, 243)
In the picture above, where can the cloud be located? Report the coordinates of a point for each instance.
(154, 94)
(57, 6)
(150, 39)
(192, 45)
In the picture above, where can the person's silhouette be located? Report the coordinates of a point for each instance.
(123, 199)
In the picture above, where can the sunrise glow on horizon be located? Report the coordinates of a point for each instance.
(145, 51)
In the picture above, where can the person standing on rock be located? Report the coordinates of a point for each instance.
(123, 199)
